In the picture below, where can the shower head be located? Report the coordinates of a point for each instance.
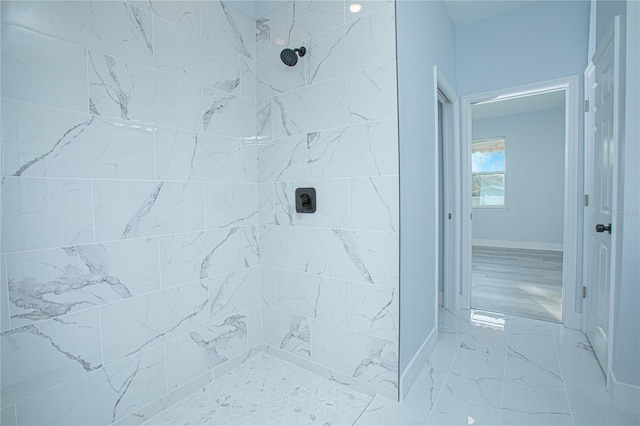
(290, 56)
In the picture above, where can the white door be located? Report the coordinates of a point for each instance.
(600, 185)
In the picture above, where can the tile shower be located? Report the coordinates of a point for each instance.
(150, 154)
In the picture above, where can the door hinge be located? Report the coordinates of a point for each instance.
(586, 105)
(449, 215)
(586, 200)
(584, 292)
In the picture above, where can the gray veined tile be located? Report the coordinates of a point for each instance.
(251, 246)
(190, 56)
(263, 36)
(287, 331)
(263, 119)
(249, 159)
(31, 207)
(451, 410)
(274, 77)
(5, 321)
(375, 310)
(285, 247)
(227, 115)
(234, 292)
(49, 283)
(229, 27)
(265, 204)
(183, 13)
(31, 61)
(41, 356)
(47, 142)
(372, 94)
(129, 209)
(133, 325)
(200, 255)
(231, 205)
(248, 77)
(378, 414)
(331, 210)
(116, 28)
(283, 159)
(373, 203)
(194, 156)
(104, 395)
(522, 406)
(130, 92)
(268, 287)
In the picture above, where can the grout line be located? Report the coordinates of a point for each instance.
(362, 412)
(504, 371)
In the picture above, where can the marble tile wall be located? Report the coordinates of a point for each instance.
(130, 206)
(330, 280)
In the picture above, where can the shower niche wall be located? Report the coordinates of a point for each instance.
(150, 243)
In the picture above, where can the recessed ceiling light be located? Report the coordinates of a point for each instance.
(355, 7)
(280, 42)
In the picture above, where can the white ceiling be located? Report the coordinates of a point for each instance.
(465, 12)
(519, 105)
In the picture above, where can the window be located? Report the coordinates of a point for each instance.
(487, 172)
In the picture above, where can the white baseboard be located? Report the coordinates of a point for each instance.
(525, 245)
(411, 373)
(624, 396)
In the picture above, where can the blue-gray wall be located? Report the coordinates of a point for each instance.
(425, 37)
(534, 178)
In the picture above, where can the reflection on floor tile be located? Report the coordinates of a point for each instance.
(487, 369)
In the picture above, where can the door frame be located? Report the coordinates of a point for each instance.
(451, 137)
(572, 198)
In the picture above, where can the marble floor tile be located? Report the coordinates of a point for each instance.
(487, 369)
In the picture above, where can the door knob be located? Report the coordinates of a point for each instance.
(601, 228)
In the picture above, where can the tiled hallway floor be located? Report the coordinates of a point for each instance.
(486, 371)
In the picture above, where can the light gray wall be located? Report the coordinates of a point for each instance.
(425, 37)
(534, 178)
(543, 41)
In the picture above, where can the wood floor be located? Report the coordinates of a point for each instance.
(527, 283)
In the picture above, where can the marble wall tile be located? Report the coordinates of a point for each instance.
(263, 36)
(372, 94)
(183, 13)
(268, 286)
(374, 310)
(227, 367)
(313, 296)
(234, 292)
(249, 154)
(228, 27)
(284, 247)
(375, 145)
(263, 118)
(274, 77)
(227, 115)
(199, 255)
(31, 61)
(368, 7)
(251, 246)
(231, 204)
(116, 28)
(8, 416)
(104, 396)
(130, 92)
(40, 356)
(372, 36)
(283, 159)
(248, 78)
(374, 203)
(188, 156)
(128, 209)
(254, 326)
(332, 204)
(133, 325)
(309, 109)
(369, 359)
(48, 283)
(201, 350)
(5, 322)
(298, 20)
(43, 213)
(195, 58)
(265, 200)
(355, 255)
(48, 142)
(286, 331)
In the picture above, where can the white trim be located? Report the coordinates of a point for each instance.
(417, 363)
(571, 197)
(623, 396)
(451, 194)
(525, 245)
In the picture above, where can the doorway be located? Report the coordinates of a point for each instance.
(546, 254)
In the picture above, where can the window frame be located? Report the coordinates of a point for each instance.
(504, 205)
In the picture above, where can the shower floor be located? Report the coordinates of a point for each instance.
(267, 391)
